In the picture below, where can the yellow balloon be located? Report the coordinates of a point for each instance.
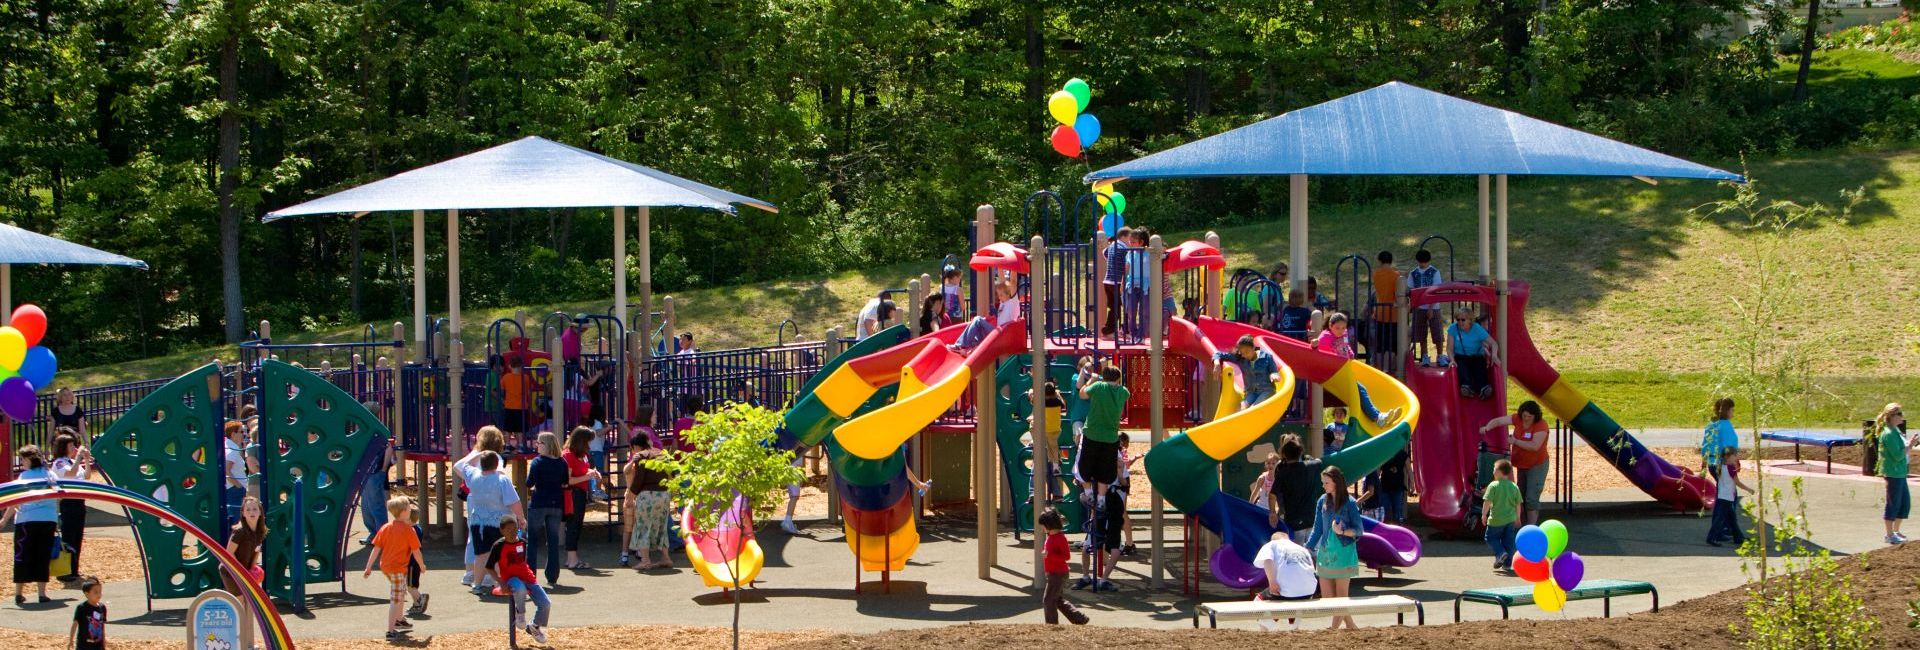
(13, 347)
(1063, 107)
(1550, 597)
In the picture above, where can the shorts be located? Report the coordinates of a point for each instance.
(481, 537)
(1113, 522)
(1899, 499)
(1533, 481)
(1099, 461)
(513, 420)
(397, 586)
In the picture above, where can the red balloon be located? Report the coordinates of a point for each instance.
(1065, 140)
(31, 322)
(1532, 571)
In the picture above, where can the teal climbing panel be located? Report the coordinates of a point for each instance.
(168, 446)
(317, 433)
(1012, 409)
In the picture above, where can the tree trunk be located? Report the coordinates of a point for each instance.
(229, 145)
(1036, 67)
(1806, 50)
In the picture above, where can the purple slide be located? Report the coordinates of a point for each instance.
(1383, 545)
(1234, 572)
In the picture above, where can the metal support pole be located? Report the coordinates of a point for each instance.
(1042, 438)
(420, 286)
(456, 429)
(453, 276)
(1297, 243)
(1486, 239)
(557, 386)
(620, 266)
(984, 478)
(1156, 366)
(1099, 288)
(1500, 265)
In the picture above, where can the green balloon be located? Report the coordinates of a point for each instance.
(1081, 92)
(1117, 203)
(1556, 537)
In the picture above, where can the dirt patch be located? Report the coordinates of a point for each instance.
(111, 559)
(661, 636)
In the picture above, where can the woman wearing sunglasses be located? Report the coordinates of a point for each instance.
(1473, 352)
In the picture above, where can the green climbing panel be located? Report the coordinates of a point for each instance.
(168, 446)
(1013, 408)
(314, 431)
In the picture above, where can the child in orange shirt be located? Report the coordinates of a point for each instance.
(393, 546)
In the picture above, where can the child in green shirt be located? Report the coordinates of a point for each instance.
(1501, 511)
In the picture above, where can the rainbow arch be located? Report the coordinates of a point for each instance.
(20, 492)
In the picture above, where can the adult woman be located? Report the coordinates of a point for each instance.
(34, 526)
(1529, 455)
(1718, 435)
(71, 461)
(490, 496)
(647, 507)
(547, 500)
(1473, 353)
(580, 473)
(1893, 468)
(1335, 539)
(67, 413)
(486, 439)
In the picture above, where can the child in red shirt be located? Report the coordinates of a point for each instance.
(1054, 600)
(507, 561)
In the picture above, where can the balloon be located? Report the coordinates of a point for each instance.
(1530, 570)
(1066, 141)
(1532, 543)
(16, 399)
(1117, 203)
(39, 366)
(1062, 106)
(1082, 93)
(1568, 570)
(13, 347)
(1088, 127)
(1549, 596)
(1111, 223)
(1556, 537)
(31, 322)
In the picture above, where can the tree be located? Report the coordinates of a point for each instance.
(1806, 50)
(733, 456)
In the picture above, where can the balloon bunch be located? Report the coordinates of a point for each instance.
(1114, 204)
(1545, 561)
(25, 365)
(1077, 130)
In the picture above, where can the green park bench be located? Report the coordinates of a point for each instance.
(1509, 597)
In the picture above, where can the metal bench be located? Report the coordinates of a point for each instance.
(1823, 439)
(1243, 610)
(1605, 590)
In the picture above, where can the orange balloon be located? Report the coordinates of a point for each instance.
(1530, 570)
(32, 323)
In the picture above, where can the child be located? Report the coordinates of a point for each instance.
(1334, 341)
(1116, 272)
(1124, 486)
(1135, 299)
(950, 295)
(1264, 483)
(1054, 601)
(244, 543)
(1334, 436)
(1428, 320)
(1726, 503)
(1392, 488)
(1006, 300)
(514, 396)
(507, 561)
(1289, 568)
(932, 316)
(1099, 445)
(873, 316)
(89, 631)
(1257, 368)
(1502, 510)
(1295, 318)
(393, 546)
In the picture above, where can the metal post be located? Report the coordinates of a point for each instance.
(453, 276)
(1500, 265)
(557, 386)
(1486, 240)
(1156, 413)
(1042, 438)
(1099, 282)
(645, 328)
(667, 317)
(984, 479)
(620, 265)
(456, 431)
(420, 286)
(1297, 243)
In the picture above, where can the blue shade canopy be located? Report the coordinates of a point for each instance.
(22, 246)
(531, 172)
(1401, 129)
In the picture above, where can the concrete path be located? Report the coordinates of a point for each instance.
(808, 581)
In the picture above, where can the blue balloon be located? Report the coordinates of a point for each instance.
(1532, 543)
(1111, 223)
(39, 366)
(1088, 127)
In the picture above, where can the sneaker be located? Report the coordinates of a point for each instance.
(1106, 585)
(1387, 416)
(419, 605)
(539, 636)
(478, 590)
(787, 525)
(1466, 392)
(1486, 393)
(1082, 583)
(395, 636)
(1499, 561)
(403, 624)
(601, 495)
(466, 579)
(1891, 540)
(624, 560)
(1126, 550)
(1900, 537)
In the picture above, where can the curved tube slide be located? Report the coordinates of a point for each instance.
(711, 552)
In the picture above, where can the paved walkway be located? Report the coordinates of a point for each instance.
(808, 580)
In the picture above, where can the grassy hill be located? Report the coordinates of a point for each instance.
(1628, 284)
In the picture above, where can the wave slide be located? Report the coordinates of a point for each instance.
(847, 408)
(1446, 454)
(1448, 461)
(707, 550)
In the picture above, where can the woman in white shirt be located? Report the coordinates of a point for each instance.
(873, 317)
(71, 461)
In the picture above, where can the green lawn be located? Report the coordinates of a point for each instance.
(1628, 287)
(1847, 67)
